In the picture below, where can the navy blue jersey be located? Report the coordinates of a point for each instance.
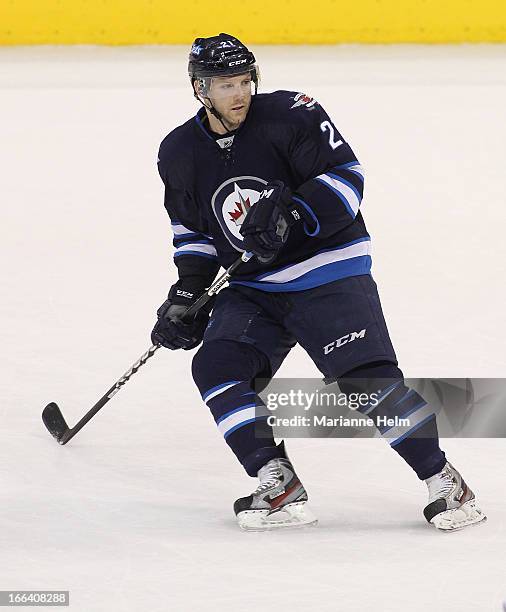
(211, 182)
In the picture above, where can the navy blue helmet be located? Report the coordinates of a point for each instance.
(220, 55)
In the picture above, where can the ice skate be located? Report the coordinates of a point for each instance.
(279, 501)
(452, 504)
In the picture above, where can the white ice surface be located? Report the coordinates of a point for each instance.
(135, 513)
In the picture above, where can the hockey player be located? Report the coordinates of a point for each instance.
(271, 174)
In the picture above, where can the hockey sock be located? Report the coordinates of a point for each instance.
(402, 416)
(224, 372)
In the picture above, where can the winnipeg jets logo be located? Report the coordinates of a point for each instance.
(231, 203)
(301, 99)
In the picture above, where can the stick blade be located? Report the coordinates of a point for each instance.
(54, 421)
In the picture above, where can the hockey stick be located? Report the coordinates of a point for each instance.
(53, 418)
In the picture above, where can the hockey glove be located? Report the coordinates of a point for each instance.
(170, 330)
(268, 222)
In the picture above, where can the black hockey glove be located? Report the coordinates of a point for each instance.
(268, 222)
(170, 331)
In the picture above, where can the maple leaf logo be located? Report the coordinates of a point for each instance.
(241, 210)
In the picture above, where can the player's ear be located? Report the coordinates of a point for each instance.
(198, 87)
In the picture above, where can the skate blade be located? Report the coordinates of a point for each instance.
(458, 518)
(292, 515)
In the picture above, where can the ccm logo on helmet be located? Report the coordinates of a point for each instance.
(328, 348)
(243, 61)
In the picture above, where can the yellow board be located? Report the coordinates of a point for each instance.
(132, 22)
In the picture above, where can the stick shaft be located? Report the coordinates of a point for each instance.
(216, 286)
(110, 393)
(194, 308)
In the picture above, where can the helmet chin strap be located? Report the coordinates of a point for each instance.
(214, 112)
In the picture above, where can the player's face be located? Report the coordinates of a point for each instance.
(231, 97)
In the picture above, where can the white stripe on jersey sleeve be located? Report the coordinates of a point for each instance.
(179, 229)
(357, 169)
(344, 190)
(201, 248)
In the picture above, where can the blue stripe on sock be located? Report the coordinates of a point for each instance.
(236, 427)
(412, 431)
(227, 414)
(405, 416)
(213, 389)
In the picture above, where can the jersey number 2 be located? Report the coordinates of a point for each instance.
(327, 126)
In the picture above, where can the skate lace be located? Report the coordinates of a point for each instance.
(441, 486)
(269, 476)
